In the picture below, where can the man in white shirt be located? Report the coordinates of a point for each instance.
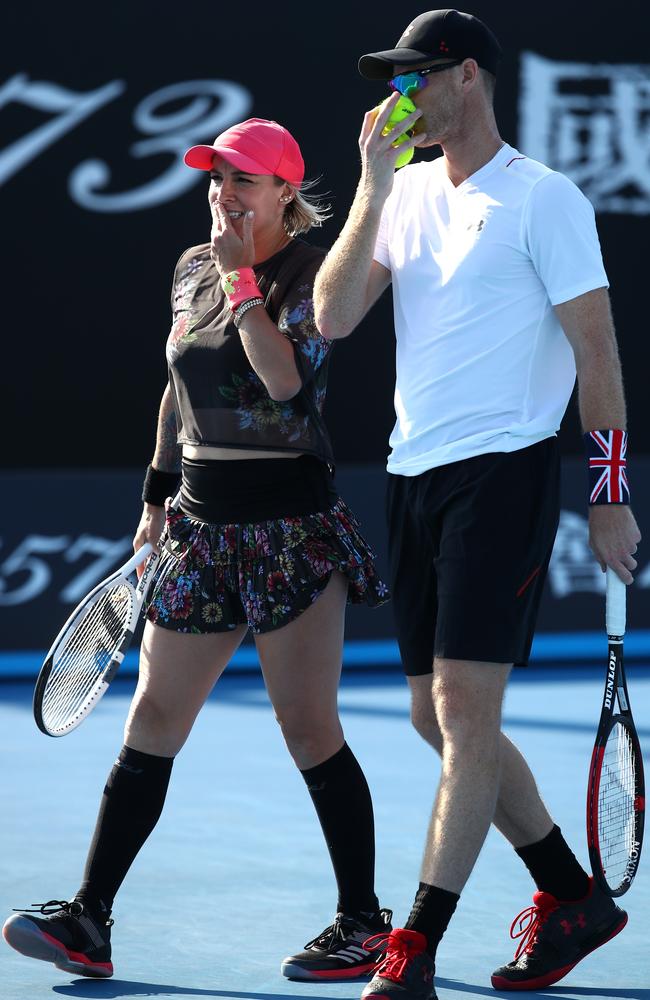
(500, 295)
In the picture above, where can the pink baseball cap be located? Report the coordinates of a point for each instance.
(256, 146)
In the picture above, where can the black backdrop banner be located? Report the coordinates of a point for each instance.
(97, 105)
(69, 530)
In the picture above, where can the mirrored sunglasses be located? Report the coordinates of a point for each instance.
(408, 83)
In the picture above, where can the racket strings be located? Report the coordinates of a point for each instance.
(617, 812)
(79, 663)
(88, 648)
(85, 652)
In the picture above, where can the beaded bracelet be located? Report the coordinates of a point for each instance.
(240, 286)
(606, 454)
(158, 486)
(243, 308)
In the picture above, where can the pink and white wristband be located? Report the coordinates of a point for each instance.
(240, 286)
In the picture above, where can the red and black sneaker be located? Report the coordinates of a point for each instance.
(340, 953)
(65, 934)
(555, 936)
(406, 971)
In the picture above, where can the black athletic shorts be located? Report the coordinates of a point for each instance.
(469, 547)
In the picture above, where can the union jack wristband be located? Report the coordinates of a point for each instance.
(606, 454)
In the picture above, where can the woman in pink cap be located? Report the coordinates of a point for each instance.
(256, 539)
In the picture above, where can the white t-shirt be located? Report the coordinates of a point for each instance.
(483, 364)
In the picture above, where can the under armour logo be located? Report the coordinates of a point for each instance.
(568, 927)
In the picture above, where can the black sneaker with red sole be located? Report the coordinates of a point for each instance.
(65, 934)
(339, 952)
(406, 971)
(555, 936)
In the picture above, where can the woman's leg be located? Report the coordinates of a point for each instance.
(177, 673)
(301, 663)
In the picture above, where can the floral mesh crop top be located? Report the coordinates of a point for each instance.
(219, 398)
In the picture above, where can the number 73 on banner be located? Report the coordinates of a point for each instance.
(211, 106)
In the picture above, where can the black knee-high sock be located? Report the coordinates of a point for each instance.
(129, 810)
(341, 796)
(432, 910)
(554, 867)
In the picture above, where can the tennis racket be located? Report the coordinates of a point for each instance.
(616, 792)
(88, 650)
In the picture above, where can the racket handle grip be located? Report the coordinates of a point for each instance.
(615, 604)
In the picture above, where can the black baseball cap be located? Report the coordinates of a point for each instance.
(437, 34)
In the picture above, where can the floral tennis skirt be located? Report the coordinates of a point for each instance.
(214, 577)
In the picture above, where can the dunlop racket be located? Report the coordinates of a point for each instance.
(616, 791)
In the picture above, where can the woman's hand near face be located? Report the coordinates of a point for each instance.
(228, 251)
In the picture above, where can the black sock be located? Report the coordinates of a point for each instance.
(130, 808)
(341, 796)
(432, 910)
(554, 867)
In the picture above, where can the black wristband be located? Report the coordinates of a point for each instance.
(158, 486)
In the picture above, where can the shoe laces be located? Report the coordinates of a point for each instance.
(340, 930)
(72, 908)
(400, 950)
(529, 922)
(335, 933)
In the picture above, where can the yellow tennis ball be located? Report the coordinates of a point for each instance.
(402, 109)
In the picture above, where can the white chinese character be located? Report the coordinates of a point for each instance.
(573, 568)
(591, 121)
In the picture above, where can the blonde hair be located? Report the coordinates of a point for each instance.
(304, 211)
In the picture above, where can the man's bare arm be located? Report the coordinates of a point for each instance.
(589, 327)
(350, 281)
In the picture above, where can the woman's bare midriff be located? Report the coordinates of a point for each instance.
(208, 453)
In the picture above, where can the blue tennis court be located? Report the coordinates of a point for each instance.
(236, 875)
